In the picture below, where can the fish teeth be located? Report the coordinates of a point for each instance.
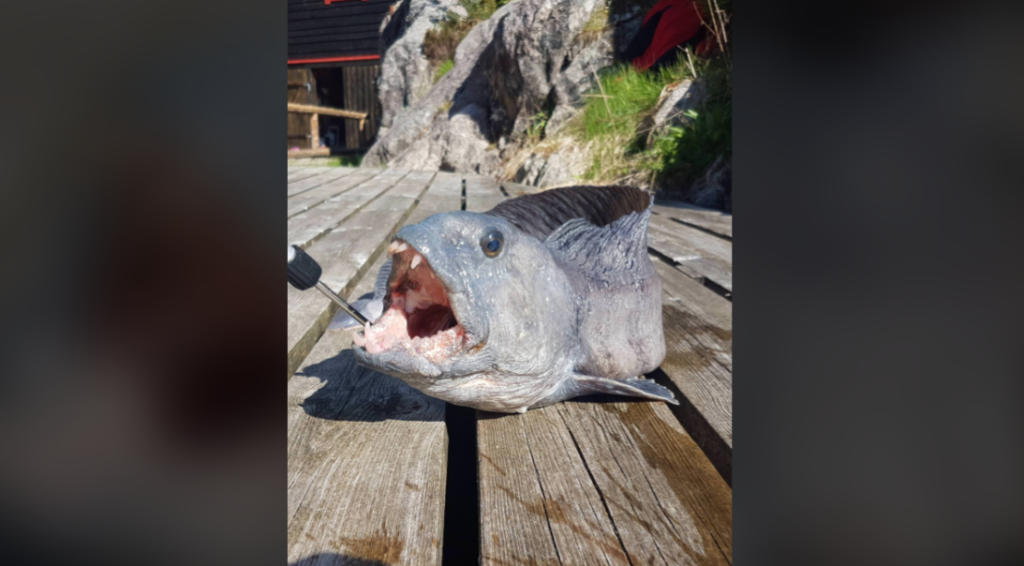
(393, 247)
(402, 247)
(416, 260)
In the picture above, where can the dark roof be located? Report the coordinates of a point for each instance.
(344, 30)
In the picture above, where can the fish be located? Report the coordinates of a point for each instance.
(543, 298)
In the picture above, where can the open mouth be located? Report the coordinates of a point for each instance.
(419, 317)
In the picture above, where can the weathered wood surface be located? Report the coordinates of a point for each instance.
(367, 461)
(598, 483)
(313, 197)
(482, 193)
(325, 110)
(305, 228)
(711, 220)
(698, 362)
(318, 152)
(697, 251)
(307, 183)
(299, 173)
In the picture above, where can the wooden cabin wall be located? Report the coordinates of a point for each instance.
(360, 86)
(299, 134)
(345, 28)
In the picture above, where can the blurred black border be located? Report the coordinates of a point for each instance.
(141, 340)
(877, 315)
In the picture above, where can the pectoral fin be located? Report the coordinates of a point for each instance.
(644, 388)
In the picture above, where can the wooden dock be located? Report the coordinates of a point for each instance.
(379, 473)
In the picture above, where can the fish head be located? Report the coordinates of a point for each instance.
(474, 308)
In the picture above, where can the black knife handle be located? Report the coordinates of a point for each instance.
(303, 271)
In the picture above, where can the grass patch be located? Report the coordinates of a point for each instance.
(353, 160)
(625, 97)
(684, 153)
(596, 25)
(616, 114)
(442, 69)
(538, 122)
(441, 41)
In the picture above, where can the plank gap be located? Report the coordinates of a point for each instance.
(698, 227)
(543, 499)
(711, 285)
(320, 236)
(326, 178)
(597, 487)
(710, 442)
(327, 198)
(461, 537)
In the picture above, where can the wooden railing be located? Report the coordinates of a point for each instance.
(314, 125)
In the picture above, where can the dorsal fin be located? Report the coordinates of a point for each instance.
(541, 214)
(615, 253)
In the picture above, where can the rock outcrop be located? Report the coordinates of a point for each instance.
(405, 73)
(675, 102)
(530, 55)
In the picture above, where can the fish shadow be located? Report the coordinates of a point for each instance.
(332, 558)
(351, 392)
(596, 399)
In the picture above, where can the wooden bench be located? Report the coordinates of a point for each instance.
(379, 473)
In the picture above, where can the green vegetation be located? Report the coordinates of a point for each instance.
(341, 161)
(617, 119)
(685, 153)
(442, 69)
(440, 43)
(596, 25)
(539, 121)
(625, 97)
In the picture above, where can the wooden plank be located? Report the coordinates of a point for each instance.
(350, 177)
(314, 131)
(346, 254)
(698, 362)
(705, 303)
(708, 255)
(598, 483)
(306, 183)
(325, 111)
(319, 152)
(482, 193)
(367, 461)
(711, 220)
(445, 195)
(299, 173)
(305, 228)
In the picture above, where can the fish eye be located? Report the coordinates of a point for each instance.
(491, 243)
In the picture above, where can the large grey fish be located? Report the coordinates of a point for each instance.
(543, 298)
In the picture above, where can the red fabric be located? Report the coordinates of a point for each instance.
(679, 23)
